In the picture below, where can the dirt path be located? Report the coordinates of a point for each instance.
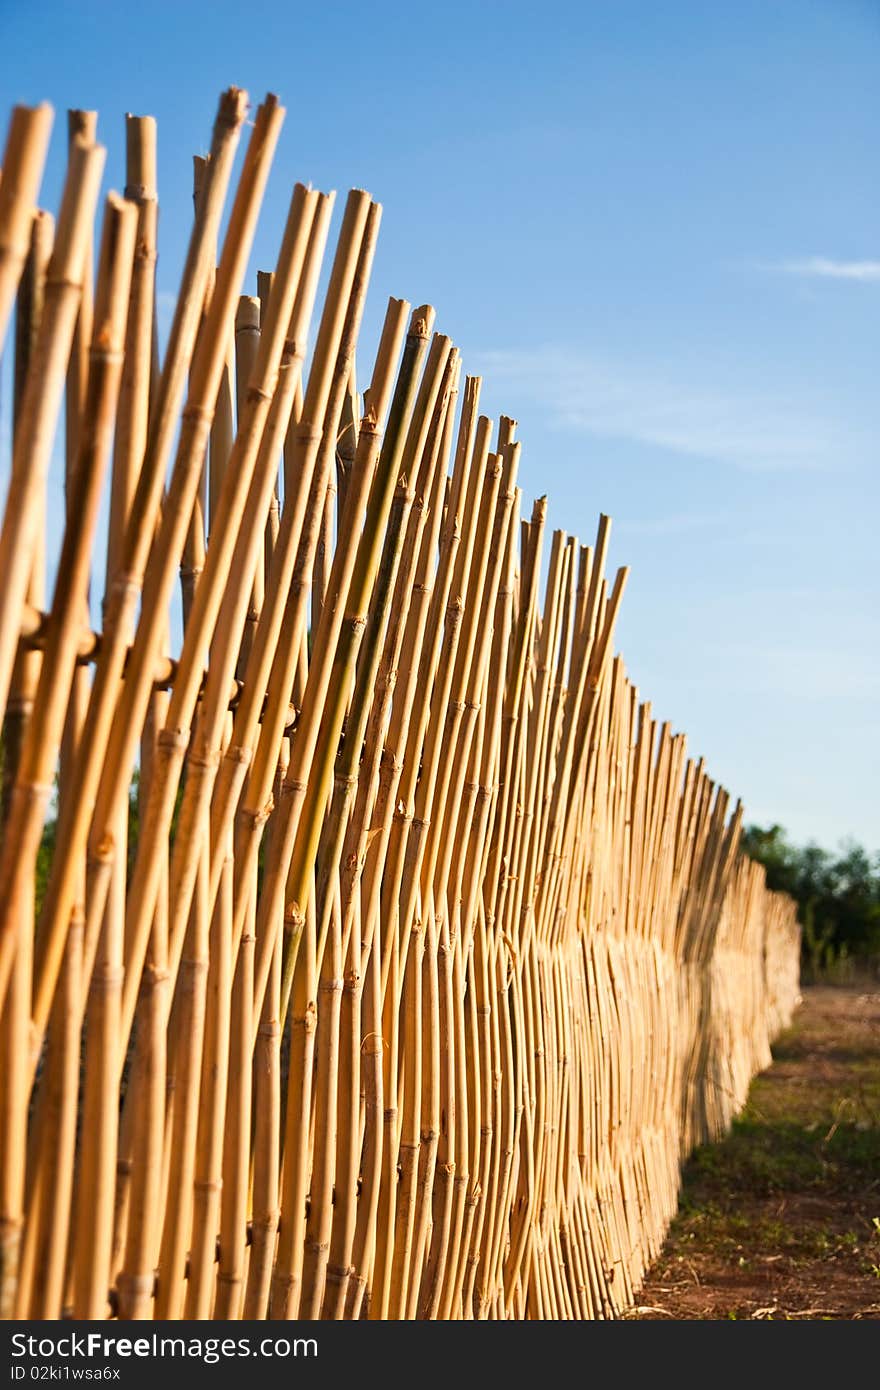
(782, 1220)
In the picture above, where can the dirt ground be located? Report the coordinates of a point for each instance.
(782, 1219)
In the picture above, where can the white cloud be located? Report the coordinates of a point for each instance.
(823, 267)
(671, 525)
(644, 404)
(799, 672)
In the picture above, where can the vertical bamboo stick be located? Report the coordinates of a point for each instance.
(293, 626)
(73, 826)
(267, 1139)
(191, 1015)
(141, 1128)
(207, 370)
(42, 741)
(23, 158)
(27, 319)
(247, 342)
(330, 915)
(39, 412)
(95, 435)
(15, 1017)
(220, 613)
(339, 632)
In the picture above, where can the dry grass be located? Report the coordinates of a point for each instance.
(782, 1219)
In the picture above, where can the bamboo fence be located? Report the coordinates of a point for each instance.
(385, 956)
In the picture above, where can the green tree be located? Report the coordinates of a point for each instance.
(837, 893)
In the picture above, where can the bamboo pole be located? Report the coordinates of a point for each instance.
(218, 612)
(205, 381)
(27, 319)
(248, 320)
(339, 633)
(281, 631)
(273, 524)
(331, 952)
(141, 1126)
(15, 1017)
(23, 159)
(192, 560)
(95, 434)
(43, 738)
(40, 405)
(120, 604)
(324, 702)
(267, 1141)
(82, 127)
(398, 664)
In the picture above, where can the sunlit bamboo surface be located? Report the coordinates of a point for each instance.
(366, 947)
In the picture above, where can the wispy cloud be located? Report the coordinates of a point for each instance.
(671, 525)
(823, 267)
(651, 406)
(801, 673)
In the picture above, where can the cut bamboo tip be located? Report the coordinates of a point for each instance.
(140, 157)
(422, 321)
(74, 219)
(233, 107)
(82, 125)
(23, 160)
(111, 305)
(26, 146)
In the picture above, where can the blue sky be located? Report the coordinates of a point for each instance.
(655, 229)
